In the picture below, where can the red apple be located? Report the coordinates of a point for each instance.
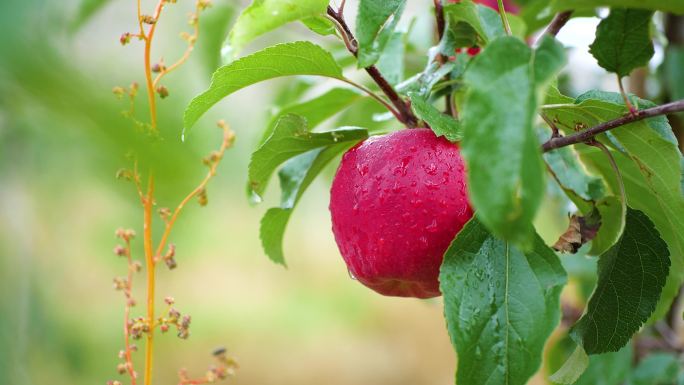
(397, 202)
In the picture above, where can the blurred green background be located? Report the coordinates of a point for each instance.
(62, 139)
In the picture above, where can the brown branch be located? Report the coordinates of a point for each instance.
(441, 26)
(406, 116)
(557, 23)
(439, 15)
(588, 134)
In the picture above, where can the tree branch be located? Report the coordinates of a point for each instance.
(406, 116)
(557, 23)
(585, 135)
(439, 15)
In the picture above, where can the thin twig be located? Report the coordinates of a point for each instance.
(557, 24)
(585, 135)
(439, 16)
(228, 138)
(186, 55)
(405, 115)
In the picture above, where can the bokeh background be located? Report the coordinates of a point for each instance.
(62, 139)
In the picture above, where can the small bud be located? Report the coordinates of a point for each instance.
(133, 89)
(185, 322)
(125, 38)
(137, 266)
(164, 328)
(147, 19)
(131, 302)
(113, 382)
(202, 198)
(124, 174)
(183, 334)
(203, 4)
(133, 347)
(120, 283)
(164, 213)
(122, 354)
(169, 300)
(174, 315)
(120, 251)
(162, 91)
(121, 368)
(118, 91)
(193, 19)
(158, 67)
(170, 263)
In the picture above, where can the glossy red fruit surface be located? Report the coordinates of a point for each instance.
(397, 202)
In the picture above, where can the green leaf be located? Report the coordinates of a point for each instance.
(623, 40)
(484, 21)
(652, 170)
(316, 110)
(290, 138)
(295, 176)
(423, 82)
(656, 369)
(320, 25)
(631, 276)
(441, 124)
(298, 58)
(266, 15)
(672, 72)
(612, 223)
(674, 6)
(608, 368)
(375, 23)
(501, 149)
(391, 62)
(500, 303)
(565, 165)
(573, 368)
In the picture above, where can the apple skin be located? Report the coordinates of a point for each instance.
(508, 5)
(397, 202)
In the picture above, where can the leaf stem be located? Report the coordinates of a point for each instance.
(374, 96)
(629, 105)
(584, 136)
(504, 18)
(405, 115)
